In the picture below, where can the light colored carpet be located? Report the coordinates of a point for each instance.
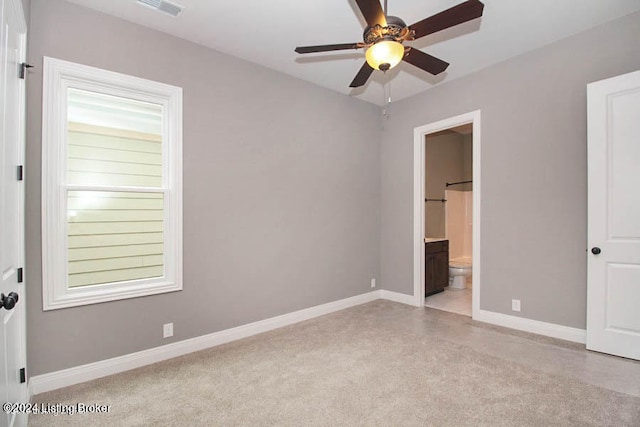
(354, 367)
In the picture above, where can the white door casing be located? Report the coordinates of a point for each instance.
(613, 266)
(12, 322)
(419, 135)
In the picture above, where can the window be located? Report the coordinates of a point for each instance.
(111, 186)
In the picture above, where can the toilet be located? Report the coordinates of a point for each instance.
(459, 270)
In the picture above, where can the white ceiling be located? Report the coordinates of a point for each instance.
(267, 31)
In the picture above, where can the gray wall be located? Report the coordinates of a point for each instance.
(281, 192)
(534, 171)
(26, 7)
(445, 154)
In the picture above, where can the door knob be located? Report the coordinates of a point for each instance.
(9, 301)
(595, 250)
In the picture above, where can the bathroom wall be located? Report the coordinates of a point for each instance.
(447, 160)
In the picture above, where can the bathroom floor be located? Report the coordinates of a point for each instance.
(452, 300)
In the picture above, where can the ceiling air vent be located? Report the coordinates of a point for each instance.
(163, 6)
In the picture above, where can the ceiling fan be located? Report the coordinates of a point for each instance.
(385, 34)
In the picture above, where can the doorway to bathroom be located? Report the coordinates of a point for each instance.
(447, 214)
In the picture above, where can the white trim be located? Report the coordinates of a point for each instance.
(91, 371)
(475, 245)
(66, 377)
(14, 12)
(534, 326)
(396, 297)
(419, 167)
(419, 134)
(58, 77)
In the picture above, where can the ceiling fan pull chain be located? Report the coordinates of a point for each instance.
(386, 99)
(384, 105)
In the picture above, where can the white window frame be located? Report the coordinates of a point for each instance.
(58, 77)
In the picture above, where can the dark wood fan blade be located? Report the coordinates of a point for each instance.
(463, 12)
(362, 76)
(327, 47)
(372, 12)
(425, 62)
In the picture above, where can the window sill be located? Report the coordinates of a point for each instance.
(96, 294)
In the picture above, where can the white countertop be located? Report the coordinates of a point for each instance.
(434, 239)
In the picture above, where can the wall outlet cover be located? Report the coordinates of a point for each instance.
(515, 304)
(373, 283)
(167, 330)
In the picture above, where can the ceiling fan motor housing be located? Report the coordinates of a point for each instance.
(395, 30)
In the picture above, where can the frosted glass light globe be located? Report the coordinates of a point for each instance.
(385, 52)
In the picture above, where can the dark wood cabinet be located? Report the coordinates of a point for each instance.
(436, 266)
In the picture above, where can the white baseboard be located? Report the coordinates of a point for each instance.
(566, 333)
(397, 297)
(66, 377)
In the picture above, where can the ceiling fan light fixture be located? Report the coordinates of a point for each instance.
(385, 54)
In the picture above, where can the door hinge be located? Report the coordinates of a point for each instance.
(23, 69)
(20, 173)
(20, 278)
(23, 376)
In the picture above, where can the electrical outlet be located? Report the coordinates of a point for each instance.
(167, 330)
(373, 283)
(515, 304)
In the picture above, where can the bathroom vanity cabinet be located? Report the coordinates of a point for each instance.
(436, 266)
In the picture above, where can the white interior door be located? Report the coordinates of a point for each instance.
(613, 297)
(12, 318)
